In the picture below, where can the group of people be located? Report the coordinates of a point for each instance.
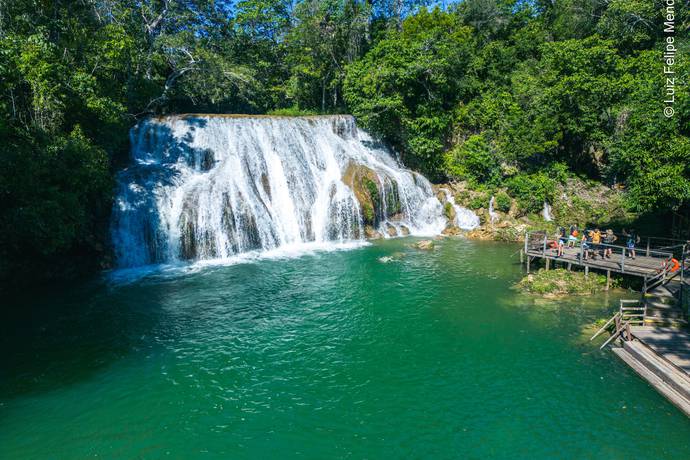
(595, 243)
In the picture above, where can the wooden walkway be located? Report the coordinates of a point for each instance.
(653, 265)
(653, 339)
(670, 343)
(640, 266)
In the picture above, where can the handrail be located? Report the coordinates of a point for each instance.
(623, 319)
(537, 242)
(603, 328)
(622, 326)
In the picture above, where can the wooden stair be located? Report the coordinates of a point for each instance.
(662, 306)
(668, 380)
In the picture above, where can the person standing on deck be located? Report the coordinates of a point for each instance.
(596, 242)
(609, 238)
(632, 241)
(584, 243)
(560, 235)
(572, 239)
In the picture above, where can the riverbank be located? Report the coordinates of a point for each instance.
(505, 214)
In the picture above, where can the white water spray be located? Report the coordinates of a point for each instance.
(546, 212)
(493, 215)
(208, 187)
(464, 218)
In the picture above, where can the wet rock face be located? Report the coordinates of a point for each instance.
(391, 230)
(378, 201)
(451, 231)
(371, 234)
(207, 160)
(364, 183)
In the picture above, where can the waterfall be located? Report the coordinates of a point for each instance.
(464, 218)
(214, 186)
(546, 212)
(493, 215)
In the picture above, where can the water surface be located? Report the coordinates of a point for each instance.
(329, 355)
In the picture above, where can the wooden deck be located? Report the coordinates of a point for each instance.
(654, 264)
(640, 266)
(671, 344)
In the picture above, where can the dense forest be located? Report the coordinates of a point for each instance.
(496, 92)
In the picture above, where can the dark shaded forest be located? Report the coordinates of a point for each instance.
(507, 93)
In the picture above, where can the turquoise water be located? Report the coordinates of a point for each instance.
(328, 355)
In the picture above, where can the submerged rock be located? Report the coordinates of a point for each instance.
(371, 234)
(425, 245)
(451, 231)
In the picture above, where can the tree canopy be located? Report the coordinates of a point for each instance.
(497, 92)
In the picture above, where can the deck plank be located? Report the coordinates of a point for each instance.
(671, 344)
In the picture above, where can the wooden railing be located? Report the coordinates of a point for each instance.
(629, 314)
(538, 243)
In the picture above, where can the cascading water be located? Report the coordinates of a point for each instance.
(546, 212)
(206, 187)
(464, 218)
(493, 215)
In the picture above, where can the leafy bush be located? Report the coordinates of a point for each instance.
(291, 112)
(503, 202)
(462, 198)
(559, 172)
(531, 190)
(478, 201)
(473, 160)
(562, 282)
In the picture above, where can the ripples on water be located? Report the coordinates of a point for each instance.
(332, 354)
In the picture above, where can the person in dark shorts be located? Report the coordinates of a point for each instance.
(585, 244)
(631, 241)
(609, 238)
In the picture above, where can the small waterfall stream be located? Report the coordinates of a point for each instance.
(464, 218)
(546, 212)
(493, 215)
(207, 187)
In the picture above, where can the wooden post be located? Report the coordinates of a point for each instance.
(522, 257)
(586, 271)
(570, 266)
(526, 239)
(547, 263)
(528, 260)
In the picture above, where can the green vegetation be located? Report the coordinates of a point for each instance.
(520, 97)
(448, 210)
(559, 282)
(503, 201)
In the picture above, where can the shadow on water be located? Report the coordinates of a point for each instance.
(56, 338)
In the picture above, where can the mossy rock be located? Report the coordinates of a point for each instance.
(561, 282)
(365, 184)
(449, 211)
